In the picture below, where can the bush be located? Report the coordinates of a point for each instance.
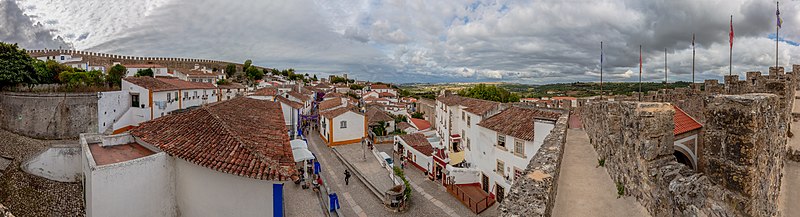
(223, 82)
(418, 115)
(601, 162)
(620, 190)
(400, 173)
(115, 74)
(144, 72)
(74, 78)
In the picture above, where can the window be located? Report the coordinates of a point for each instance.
(519, 147)
(501, 140)
(185, 95)
(169, 96)
(500, 168)
(468, 120)
(176, 96)
(343, 124)
(134, 100)
(468, 148)
(517, 173)
(462, 115)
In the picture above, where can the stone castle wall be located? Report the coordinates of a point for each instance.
(635, 139)
(107, 60)
(48, 115)
(535, 195)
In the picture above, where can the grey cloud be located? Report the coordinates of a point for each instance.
(18, 28)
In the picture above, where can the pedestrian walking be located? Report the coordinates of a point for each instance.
(346, 177)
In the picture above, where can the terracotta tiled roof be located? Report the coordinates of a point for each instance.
(334, 94)
(143, 66)
(291, 103)
(475, 106)
(421, 124)
(375, 115)
(339, 111)
(683, 122)
(166, 84)
(231, 86)
(386, 94)
(517, 122)
(299, 95)
(419, 142)
(267, 91)
(564, 97)
(404, 125)
(241, 136)
(198, 73)
(378, 86)
(330, 103)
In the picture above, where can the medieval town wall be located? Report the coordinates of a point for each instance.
(747, 135)
(107, 60)
(48, 115)
(535, 195)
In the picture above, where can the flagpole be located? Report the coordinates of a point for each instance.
(777, 37)
(692, 58)
(730, 66)
(601, 70)
(640, 72)
(665, 68)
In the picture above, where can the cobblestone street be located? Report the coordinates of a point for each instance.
(29, 195)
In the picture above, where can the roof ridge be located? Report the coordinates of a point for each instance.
(687, 115)
(239, 139)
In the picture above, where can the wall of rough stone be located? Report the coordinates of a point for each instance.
(4, 212)
(107, 60)
(48, 115)
(745, 147)
(535, 195)
(747, 134)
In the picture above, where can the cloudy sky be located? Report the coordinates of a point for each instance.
(533, 41)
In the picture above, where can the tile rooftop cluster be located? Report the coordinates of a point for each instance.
(267, 91)
(291, 103)
(517, 122)
(376, 115)
(339, 111)
(330, 103)
(241, 136)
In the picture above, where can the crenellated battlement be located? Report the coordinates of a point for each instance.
(105, 59)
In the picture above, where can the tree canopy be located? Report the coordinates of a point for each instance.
(115, 74)
(16, 66)
(489, 92)
(230, 70)
(247, 64)
(254, 74)
(144, 72)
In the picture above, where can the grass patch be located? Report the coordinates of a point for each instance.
(601, 162)
(620, 190)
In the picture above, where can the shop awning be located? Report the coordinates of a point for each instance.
(302, 155)
(298, 144)
(456, 158)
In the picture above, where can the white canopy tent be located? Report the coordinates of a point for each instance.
(298, 144)
(300, 150)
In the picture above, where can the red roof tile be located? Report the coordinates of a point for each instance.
(404, 125)
(378, 86)
(683, 122)
(376, 115)
(166, 84)
(386, 94)
(298, 95)
(517, 122)
(475, 106)
(421, 124)
(338, 111)
(241, 136)
(267, 91)
(143, 66)
(291, 103)
(117, 153)
(419, 142)
(330, 103)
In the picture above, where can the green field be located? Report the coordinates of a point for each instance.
(577, 89)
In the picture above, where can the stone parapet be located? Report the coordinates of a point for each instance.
(745, 146)
(4, 212)
(535, 195)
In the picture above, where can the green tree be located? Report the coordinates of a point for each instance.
(230, 70)
(254, 74)
(223, 82)
(314, 78)
(489, 92)
(417, 115)
(16, 66)
(43, 74)
(144, 72)
(356, 87)
(285, 73)
(115, 74)
(246, 65)
(275, 72)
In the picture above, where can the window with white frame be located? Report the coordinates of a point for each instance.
(500, 168)
(468, 120)
(501, 140)
(343, 124)
(519, 147)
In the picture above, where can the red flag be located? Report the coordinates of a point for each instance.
(731, 31)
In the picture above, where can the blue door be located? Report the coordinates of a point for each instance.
(277, 200)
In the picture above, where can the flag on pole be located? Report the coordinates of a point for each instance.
(731, 34)
(780, 21)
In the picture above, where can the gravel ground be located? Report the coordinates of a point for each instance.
(28, 195)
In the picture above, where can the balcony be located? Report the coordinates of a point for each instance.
(472, 196)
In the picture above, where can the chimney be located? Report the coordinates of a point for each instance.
(196, 66)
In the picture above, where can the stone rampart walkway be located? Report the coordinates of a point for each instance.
(585, 189)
